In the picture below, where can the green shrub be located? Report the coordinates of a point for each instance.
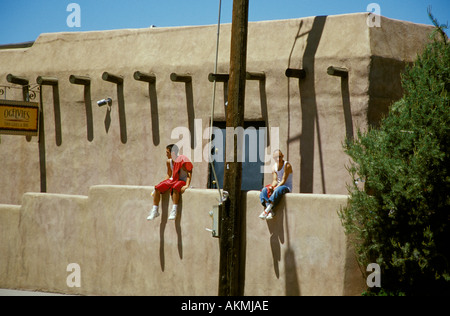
(400, 220)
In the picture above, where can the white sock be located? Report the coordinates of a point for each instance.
(174, 207)
(269, 208)
(155, 208)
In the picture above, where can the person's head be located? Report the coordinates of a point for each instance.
(278, 156)
(172, 151)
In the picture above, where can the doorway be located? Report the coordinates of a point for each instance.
(254, 140)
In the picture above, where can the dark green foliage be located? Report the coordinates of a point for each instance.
(401, 218)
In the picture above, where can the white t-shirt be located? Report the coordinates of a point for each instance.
(280, 174)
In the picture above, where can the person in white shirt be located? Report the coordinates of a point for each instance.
(282, 183)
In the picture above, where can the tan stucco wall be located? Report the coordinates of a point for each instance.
(314, 116)
(303, 251)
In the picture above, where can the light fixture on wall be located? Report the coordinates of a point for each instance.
(104, 102)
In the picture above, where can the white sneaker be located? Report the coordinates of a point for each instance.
(173, 215)
(267, 212)
(270, 215)
(153, 214)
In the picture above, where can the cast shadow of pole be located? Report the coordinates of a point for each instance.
(309, 109)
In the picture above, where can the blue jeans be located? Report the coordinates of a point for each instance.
(275, 197)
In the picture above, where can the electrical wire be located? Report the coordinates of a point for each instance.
(213, 103)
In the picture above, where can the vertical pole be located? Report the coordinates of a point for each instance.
(232, 268)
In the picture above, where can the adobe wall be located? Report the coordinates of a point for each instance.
(314, 115)
(303, 251)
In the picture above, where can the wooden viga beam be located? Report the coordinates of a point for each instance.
(337, 71)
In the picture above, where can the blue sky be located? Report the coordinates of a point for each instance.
(24, 20)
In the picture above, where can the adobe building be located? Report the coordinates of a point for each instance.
(92, 159)
(85, 147)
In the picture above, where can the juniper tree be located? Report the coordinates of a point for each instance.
(401, 218)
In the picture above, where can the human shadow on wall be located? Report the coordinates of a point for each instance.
(277, 234)
(276, 229)
(178, 228)
(162, 228)
(308, 104)
(165, 198)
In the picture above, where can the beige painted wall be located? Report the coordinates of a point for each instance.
(303, 251)
(314, 116)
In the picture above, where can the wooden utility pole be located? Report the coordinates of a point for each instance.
(232, 268)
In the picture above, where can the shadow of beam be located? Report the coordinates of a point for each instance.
(53, 82)
(86, 82)
(347, 108)
(187, 79)
(151, 80)
(121, 102)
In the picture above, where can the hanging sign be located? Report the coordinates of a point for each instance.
(19, 118)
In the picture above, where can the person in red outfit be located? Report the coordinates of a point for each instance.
(178, 179)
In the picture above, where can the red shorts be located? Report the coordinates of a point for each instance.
(171, 185)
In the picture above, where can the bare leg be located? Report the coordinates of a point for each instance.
(156, 197)
(176, 197)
